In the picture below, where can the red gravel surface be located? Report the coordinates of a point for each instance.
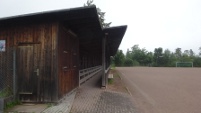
(164, 90)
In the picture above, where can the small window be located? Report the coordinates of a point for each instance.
(2, 45)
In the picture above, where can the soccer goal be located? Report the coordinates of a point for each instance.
(184, 64)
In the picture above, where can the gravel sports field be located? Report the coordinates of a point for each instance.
(163, 90)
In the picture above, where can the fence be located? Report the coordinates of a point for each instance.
(85, 74)
(7, 72)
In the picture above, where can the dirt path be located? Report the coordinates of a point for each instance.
(164, 90)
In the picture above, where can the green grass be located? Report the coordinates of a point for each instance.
(110, 81)
(50, 105)
(5, 92)
(116, 75)
(112, 66)
(12, 104)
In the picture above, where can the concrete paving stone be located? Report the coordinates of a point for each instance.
(27, 108)
(90, 98)
(63, 107)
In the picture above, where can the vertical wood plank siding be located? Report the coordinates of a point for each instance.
(42, 37)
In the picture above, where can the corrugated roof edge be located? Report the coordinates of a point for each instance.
(115, 27)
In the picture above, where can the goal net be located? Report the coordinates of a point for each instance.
(184, 64)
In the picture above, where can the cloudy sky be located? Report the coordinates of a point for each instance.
(151, 23)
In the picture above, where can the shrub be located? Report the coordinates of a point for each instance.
(128, 62)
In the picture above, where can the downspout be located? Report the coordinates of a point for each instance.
(14, 74)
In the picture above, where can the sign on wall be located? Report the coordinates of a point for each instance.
(2, 45)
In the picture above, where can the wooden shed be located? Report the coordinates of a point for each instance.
(51, 48)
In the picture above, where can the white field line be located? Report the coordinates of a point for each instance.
(121, 74)
(152, 101)
(129, 91)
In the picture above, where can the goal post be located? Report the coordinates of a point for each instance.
(184, 64)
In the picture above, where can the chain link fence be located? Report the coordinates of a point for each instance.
(7, 73)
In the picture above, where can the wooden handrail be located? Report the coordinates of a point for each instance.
(87, 73)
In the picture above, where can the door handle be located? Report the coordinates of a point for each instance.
(37, 72)
(65, 68)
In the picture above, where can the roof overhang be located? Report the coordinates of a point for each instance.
(81, 15)
(114, 37)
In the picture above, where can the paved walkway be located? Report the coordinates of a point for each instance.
(91, 99)
(64, 106)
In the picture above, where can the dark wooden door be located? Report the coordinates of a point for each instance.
(27, 73)
(68, 62)
(74, 65)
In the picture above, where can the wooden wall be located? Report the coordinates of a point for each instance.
(36, 49)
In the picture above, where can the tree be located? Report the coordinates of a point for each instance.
(187, 56)
(173, 60)
(200, 51)
(191, 53)
(128, 62)
(128, 54)
(167, 58)
(197, 62)
(139, 55)
(178, 53)
(119, 58)
(158, 54)
(135, 47)
(149, 58)
(101, 14)
(89, 3)
(186, 53)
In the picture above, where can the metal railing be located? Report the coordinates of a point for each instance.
(107, 70)
(86, 74)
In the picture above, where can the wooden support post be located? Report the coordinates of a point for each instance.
(103, 62)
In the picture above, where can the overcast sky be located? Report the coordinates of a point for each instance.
(151, 23)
